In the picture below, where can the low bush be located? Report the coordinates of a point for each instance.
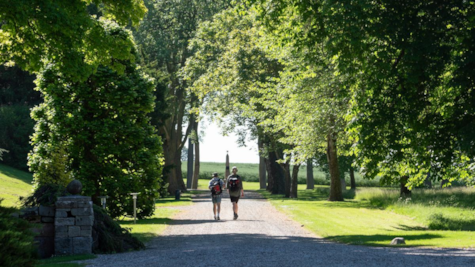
(45, 195)
(109, 236)
(17, 247)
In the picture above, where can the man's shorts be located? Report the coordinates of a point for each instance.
(216, 198)
(235, 199)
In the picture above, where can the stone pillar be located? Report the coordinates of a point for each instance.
(73, 225)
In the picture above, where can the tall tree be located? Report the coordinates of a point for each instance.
(412, 63)
(100, 132)
(163, 38)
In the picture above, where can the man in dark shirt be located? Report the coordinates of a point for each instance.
(235, 189)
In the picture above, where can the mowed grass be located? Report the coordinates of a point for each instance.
(14, 184)
(64, 261)
(165, 208)
(359, 221)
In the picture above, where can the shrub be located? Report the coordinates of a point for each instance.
(17, 247)
(100, 129)
(109, 236)
(45, 195)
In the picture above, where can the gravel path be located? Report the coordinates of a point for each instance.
(262, 236)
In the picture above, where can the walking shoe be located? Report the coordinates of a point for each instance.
(215, 217)
(218, 218)
(235, 216)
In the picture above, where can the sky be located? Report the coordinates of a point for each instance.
(214, 146)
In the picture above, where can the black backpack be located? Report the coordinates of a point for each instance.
(216, 188)
(233, 184)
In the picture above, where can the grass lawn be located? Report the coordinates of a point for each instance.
(14, 184)
(148, 228)
(360, 221)
(64, 261)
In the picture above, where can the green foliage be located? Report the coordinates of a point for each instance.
(1, 153)
(17, 96)
(163, 39)
(17, 247)
(102, 125)
(51, 168)
(409, 63)
(45, 195)
(16, 127)
(36, 33)
(110, 237)
(17, 87)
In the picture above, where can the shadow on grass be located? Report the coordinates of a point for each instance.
(146, 221)
(438, 221)
(170, 200)
(154, 221)
(372, 240)
(404, 227)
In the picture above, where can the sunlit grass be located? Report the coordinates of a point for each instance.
(14, 184)
(437, 209)
(148, 228)
(362, 221)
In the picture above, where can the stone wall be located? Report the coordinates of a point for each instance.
(73, 225)
(42, 219)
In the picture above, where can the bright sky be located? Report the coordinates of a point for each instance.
(214, 146)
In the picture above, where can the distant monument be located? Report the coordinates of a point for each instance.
(227, 173)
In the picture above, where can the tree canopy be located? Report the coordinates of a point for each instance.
(63, 33)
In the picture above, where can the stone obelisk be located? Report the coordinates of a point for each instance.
(226, 173)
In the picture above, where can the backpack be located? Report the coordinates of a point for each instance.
(233, 184)
(216, 188)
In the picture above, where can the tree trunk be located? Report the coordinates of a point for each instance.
(196, 173)
(343, 184)
(310, 179)
(286, 170)
(332, 156)
(405, 192)
(278, 179)
(262, 165)
(427, 181)
(288, 178)
(178, 173)
(189, 167)
(294, 188)
(169, 165)
(270, 178)
(352, 178)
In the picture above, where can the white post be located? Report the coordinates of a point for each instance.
(134, 197)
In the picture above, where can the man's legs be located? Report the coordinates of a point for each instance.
(219, 209)
(235, 207)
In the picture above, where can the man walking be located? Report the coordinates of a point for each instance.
(216, 187)
(235, 189)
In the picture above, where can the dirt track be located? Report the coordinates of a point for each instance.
(263, 236)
